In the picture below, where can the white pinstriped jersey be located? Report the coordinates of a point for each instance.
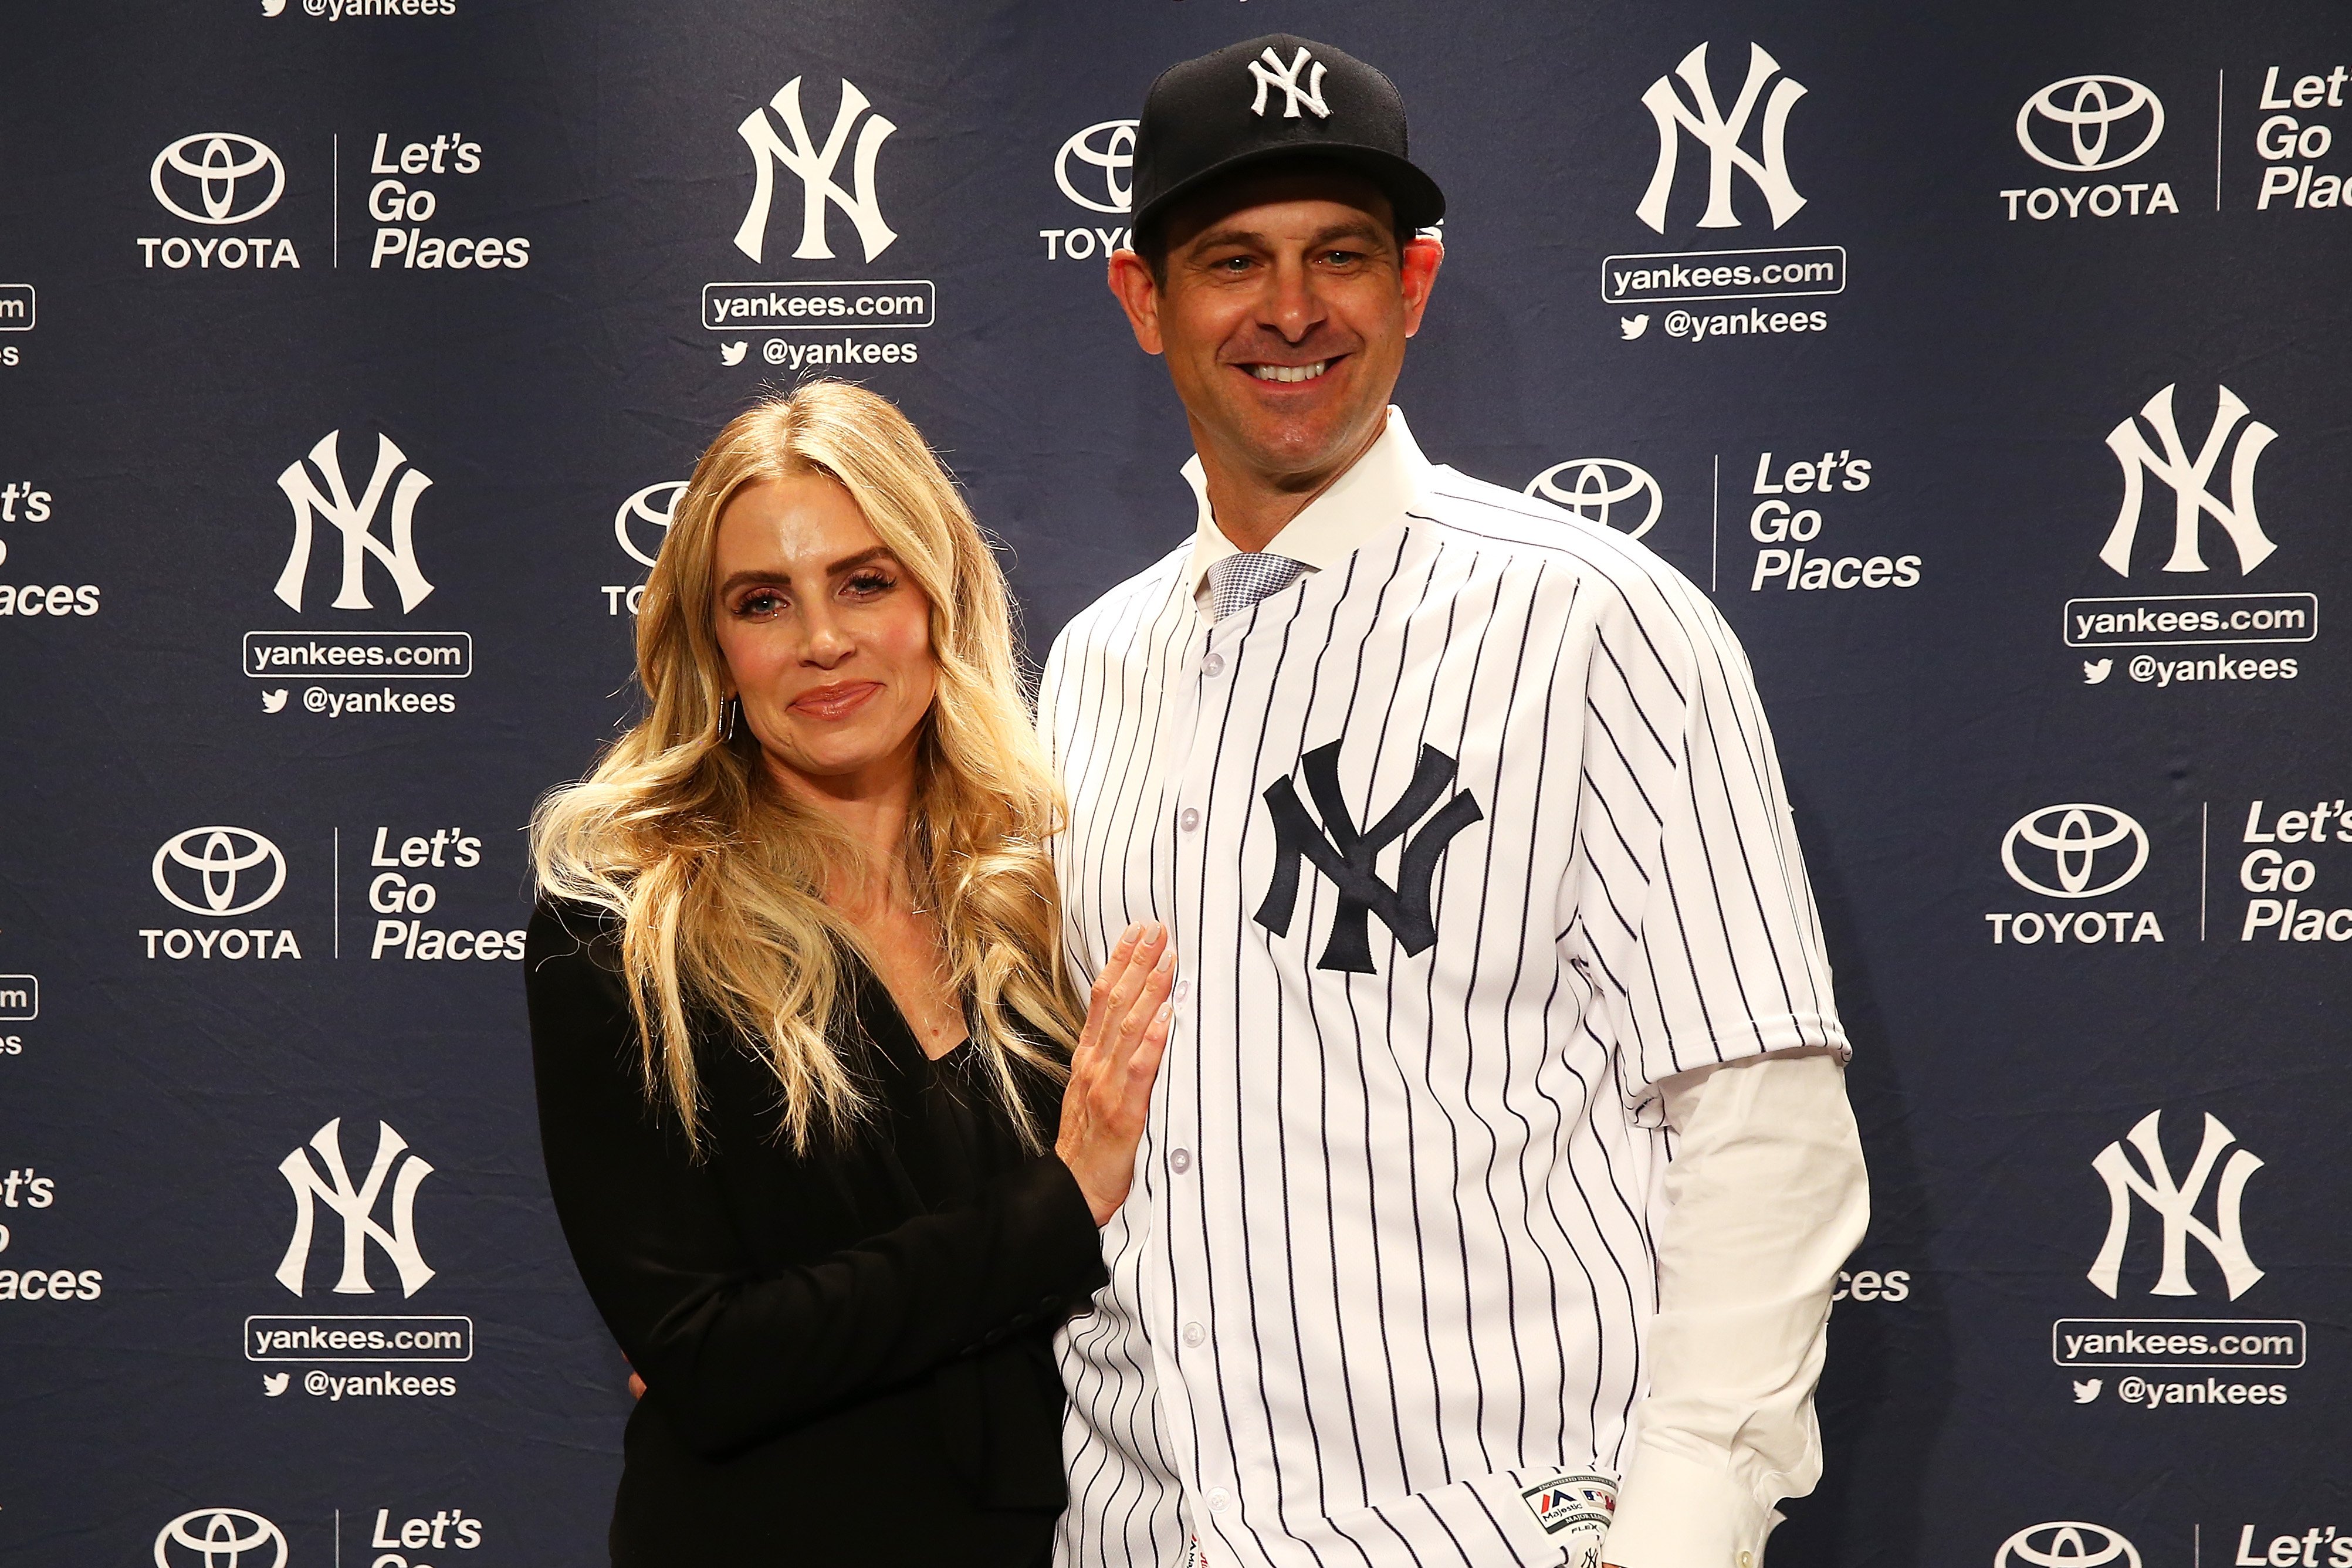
(1464, 840)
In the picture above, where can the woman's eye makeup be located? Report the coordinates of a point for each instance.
(759, 601)
(870, 582)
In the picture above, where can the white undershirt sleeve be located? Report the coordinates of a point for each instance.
(1765, 1198)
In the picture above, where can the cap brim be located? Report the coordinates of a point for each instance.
(1414, 196)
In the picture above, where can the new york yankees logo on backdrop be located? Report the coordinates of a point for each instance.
(2175, 1201)
(2191, 479)
(815, 165)
(1720, 134)
(355, 1207)
(355, 522)
(1345, 855)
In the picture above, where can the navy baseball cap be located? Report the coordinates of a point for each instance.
(1276, 97)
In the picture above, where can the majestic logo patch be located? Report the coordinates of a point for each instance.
(1578, 1510)
(1345, 855)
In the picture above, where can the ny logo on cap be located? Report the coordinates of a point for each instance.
(1270, 71)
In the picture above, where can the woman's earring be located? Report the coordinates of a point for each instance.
(729, 712)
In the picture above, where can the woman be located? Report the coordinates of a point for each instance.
(799, 1022)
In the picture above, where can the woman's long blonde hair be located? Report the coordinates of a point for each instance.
(719, 878)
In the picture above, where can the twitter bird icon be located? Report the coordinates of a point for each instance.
(273, 1384)
(2087, 1392)
(2093, 672)
(274, 702)
(1633, 326)
(732, 353)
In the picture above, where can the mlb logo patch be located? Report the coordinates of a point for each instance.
(1586, 1500)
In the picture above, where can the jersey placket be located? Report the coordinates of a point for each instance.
(1209, 792)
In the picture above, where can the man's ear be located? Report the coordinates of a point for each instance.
(1421, 258)
(1130, 279)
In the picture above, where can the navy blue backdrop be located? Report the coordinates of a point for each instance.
(350, 352)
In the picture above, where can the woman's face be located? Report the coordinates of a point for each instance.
(827, 638)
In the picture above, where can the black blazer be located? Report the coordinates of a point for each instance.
(846, 1355)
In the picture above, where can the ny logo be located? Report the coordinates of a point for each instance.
(814, 168)
(1721, 138)
(356, 524)
(2188, 479)
(2174, 1204)
(356, 1206)
(1271, 72)
(1347, 857)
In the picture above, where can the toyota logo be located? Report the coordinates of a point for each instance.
(2087, 106)
(1593, 486)
(227, 1535)
(2079, 838)
(651, 508)
(220, 859)
(224, 165)
(2067, 1543)
(1109, 147)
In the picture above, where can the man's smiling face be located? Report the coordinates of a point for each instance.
(1283, 312)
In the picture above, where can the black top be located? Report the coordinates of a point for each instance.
(846, 1355)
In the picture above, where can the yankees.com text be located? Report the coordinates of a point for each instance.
(342, 1338)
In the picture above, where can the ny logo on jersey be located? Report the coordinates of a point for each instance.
(1271, 72)
(2192, 500)
(2175, 1203)
(814, 167)
(1720, 135)
(1347, 857)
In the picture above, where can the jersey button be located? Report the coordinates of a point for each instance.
(1189, 819)
(1196, 1335)
(1179, 1160)
(1219, 1499)
(1213, 665)
(1183, 990)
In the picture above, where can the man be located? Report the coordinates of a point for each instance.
(1473, 842)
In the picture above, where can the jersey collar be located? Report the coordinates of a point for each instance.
(1371, 498)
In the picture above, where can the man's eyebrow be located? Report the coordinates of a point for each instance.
(1353, 228)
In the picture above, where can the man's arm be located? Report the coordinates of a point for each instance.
(1766, 1198)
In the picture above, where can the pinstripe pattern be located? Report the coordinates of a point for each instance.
(1387, 1256)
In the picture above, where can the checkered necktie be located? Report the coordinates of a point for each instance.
(1240, 581)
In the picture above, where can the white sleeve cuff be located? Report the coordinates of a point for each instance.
(1676, 1513)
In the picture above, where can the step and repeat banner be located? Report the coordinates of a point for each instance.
(1986, 363)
